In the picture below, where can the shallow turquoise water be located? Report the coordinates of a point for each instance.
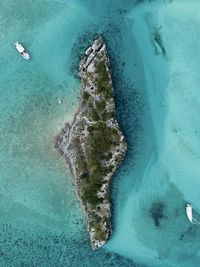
(170, 175)
(41, 223)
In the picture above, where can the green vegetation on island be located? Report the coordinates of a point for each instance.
(94, 146)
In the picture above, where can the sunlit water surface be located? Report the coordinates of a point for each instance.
(156, 95)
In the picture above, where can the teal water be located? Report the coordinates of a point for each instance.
(41, 222)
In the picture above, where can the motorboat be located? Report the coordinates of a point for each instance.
(190, 214)
(22, 51)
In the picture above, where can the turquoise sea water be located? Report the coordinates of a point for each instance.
(41, 222)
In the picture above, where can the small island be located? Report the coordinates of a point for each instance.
(93, 146)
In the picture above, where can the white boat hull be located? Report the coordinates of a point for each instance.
(190, 215)
(189, 212)
(22, 51)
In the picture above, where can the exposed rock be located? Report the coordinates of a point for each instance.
(93, 145)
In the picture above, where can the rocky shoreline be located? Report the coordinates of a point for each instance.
(93, 146)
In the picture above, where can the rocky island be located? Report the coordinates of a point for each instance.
(93, 145)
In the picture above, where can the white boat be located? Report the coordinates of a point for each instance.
(22, 51)
(190, 214)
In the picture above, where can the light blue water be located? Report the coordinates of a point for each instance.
(170, 175)
(41, 223)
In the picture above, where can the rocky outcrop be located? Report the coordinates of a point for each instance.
(93, 145)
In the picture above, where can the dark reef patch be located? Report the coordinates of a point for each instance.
(156, 212)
